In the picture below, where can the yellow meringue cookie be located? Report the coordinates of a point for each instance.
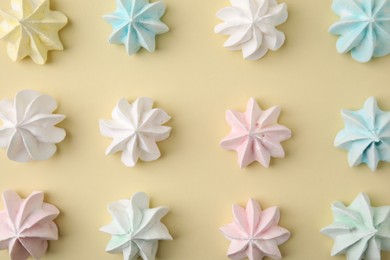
(31, 29)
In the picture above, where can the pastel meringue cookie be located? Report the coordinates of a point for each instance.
(251, 24)
(26, 225)
(136, 23)
(135, 128)
(366, 135)
(359, 230)
(255, 134)
(28, 131)
(255, 233)
(31, 29)
(363, 28)
(135, 228)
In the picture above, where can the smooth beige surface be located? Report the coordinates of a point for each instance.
(195, 80)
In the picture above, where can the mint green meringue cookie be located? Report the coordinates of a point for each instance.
(359, 231)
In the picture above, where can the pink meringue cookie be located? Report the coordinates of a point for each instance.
(255, 233)
(255, 134)
(26, 225)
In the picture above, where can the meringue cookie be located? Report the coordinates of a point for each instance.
(135, 129)
(359, 230)
(31, 29)
(255, 233)
(366, 135)
(255, 134)
(26, 225)
(28, 131)
(363, 28)
(135, 24)
(251, 26)
(136, 228)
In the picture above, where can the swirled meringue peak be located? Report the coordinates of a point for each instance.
(136, 23)
(364, 28)
(31, 29)
(255, 233)
(255, 134)
(359, 230)
(26, 225)
(135, 128)
(251, 24)
(366, 135)
(136, 228)
(28, 131)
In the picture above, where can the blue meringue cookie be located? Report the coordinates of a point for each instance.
(136, 23)
(366, 135)
(364, 28)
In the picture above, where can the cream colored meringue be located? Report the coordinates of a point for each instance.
(26, 225)
(28, 131)
(135, 129)
(31, 29)
(251, 26)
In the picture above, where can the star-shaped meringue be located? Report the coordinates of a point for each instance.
(366, 135)
(364, 28)
(251, 26)
(26, 225)
(136, 23)
(28, 131)
(136, 228)
(359, 230)
(135, 129)
(31, 29)
(255, 233)
(255, 134)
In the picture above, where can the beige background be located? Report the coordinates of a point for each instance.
(195, 80)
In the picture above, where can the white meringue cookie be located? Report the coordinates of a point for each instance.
(28, 131)
(135, 129)
(251, 26)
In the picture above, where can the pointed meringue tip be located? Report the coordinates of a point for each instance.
(252, 201)
(372, 168)
(61, 116)
(241, 164)
(363, 195)
(371, 101)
